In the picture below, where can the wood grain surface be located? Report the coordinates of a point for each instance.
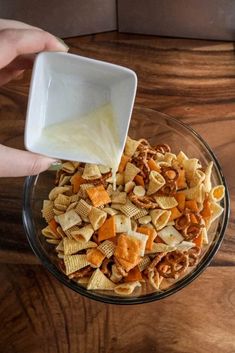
(193, 81)
(47, 317)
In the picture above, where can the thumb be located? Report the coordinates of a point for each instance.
(16, 163)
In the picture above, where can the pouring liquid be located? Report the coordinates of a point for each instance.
(94, 135)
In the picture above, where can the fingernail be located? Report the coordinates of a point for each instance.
(56, 165)
(63, 43)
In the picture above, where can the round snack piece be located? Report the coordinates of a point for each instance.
(139, 190)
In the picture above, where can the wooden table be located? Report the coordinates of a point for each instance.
(193, 81)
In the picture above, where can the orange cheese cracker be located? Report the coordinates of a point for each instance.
(192, 205)
(134, 275)
(175, 213)
(139, 180)
(98, 196)
(123, 163)
(151, 233)
(153, 165)
(128, 248)
(76, 181)
(127, 266)
(107, 230)
(95, 257)
(180, 198)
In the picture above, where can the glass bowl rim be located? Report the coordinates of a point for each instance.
(203, 264)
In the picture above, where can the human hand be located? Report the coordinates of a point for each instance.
(19, 43)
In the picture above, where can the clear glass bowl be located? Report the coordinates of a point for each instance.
(157, 128)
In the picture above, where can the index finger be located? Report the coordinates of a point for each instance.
(15, 42)
(4, 24)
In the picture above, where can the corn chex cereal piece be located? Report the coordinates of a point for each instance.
(74, 263)
(129, 209)
(126, 288)
(98, 196)
(91, 172)
(166, 202)
(107, 247)
(144, 263)
(85, 233)
(47, 210)
(83, 208)
(99, 281)
(141, 213)
(97, 217)
(130, 172)
(71, 246)
(58, 190)
(69, 219)
(122, 223)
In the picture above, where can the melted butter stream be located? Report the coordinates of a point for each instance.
(94, 134)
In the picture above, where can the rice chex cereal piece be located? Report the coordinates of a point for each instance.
(107, 247)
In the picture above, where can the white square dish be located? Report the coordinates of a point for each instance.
(66, 85)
